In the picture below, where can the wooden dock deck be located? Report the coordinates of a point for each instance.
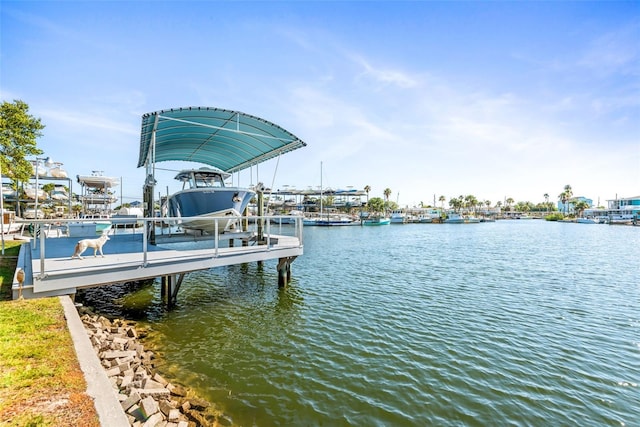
(49, 269)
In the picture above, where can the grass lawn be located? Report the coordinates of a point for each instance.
(41, 383)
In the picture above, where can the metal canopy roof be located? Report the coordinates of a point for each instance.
(228, 140)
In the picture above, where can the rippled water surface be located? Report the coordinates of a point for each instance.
(513, 322)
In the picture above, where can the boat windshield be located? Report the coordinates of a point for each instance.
(207, 180)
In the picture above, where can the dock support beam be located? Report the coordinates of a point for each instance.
(170, 285)
(284, 270)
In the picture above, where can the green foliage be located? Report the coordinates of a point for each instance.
(557, 216)
(18, 134)
(376, 205)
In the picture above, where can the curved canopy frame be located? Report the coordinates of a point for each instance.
(229, 140)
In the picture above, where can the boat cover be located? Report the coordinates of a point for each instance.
(228, 140)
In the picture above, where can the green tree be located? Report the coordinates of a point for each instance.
(509, 203)
(18, 133)
(367, 189)
(387, 193)
(564, 197)
(48, 188)
(470, 202)
(376, 205)
(442, 199)
(580, 207)
(456, 203)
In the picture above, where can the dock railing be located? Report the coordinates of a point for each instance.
(255, 233)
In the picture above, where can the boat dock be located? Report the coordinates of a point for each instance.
(130, 256)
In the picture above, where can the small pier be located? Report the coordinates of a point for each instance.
(130, 256)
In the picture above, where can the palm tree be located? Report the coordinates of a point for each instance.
(569, 192)
(546, 201)
(456, 203)
(366, 190)
(471, 202)
(442, 199)
(580, 207)
(565, 196)
(509, 201)
(387, 192)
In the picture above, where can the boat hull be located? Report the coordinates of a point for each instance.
(198, 207)
(377, 221)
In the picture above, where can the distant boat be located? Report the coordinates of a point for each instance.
(59, 193)
(58, 172)
(128, 217)
(38, 168)
(97, 180)
(586, 221)
(32, 213)
(398, 217)
(9, 224)
(101, 224)
(335, 220)
(377, 220)
(30, 193)
(454, 218)
(290, 218)
(8, 192)
(204, 197)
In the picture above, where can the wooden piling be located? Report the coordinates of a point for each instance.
(284, 270)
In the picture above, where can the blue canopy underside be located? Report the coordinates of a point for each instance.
(228, 140)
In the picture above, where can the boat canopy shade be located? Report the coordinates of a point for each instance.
(228, 140)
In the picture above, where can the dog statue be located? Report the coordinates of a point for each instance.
(96, 244)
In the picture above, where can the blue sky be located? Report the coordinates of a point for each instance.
(493, 99)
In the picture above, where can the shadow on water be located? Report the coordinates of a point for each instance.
(131, 300)
(251, 284)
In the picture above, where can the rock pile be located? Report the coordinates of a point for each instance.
(147, 399)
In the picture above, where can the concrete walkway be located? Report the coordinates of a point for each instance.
(98, 385)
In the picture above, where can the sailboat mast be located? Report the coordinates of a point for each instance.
(320, 189)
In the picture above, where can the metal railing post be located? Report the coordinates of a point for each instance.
(42, 236)
(216, 239)
(145, 228)
(268, 235)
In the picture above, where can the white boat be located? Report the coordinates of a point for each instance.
(205, 196)
(97, 180)
(9, 225)
(8, 192)
(59, 193)
(38, 168)
(32, 213)
(454, 218)
(335, 220)
(93, 224)
(30, 193)
(58, 172)
(586, 221)
(128, 217)
(290, 218)
(309, 221)
(398, 217)
(377, 220)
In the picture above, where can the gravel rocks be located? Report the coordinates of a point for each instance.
(147, 399)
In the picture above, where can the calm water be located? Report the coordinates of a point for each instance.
(506, 323)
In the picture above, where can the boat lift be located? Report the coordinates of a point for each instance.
(228, 140)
